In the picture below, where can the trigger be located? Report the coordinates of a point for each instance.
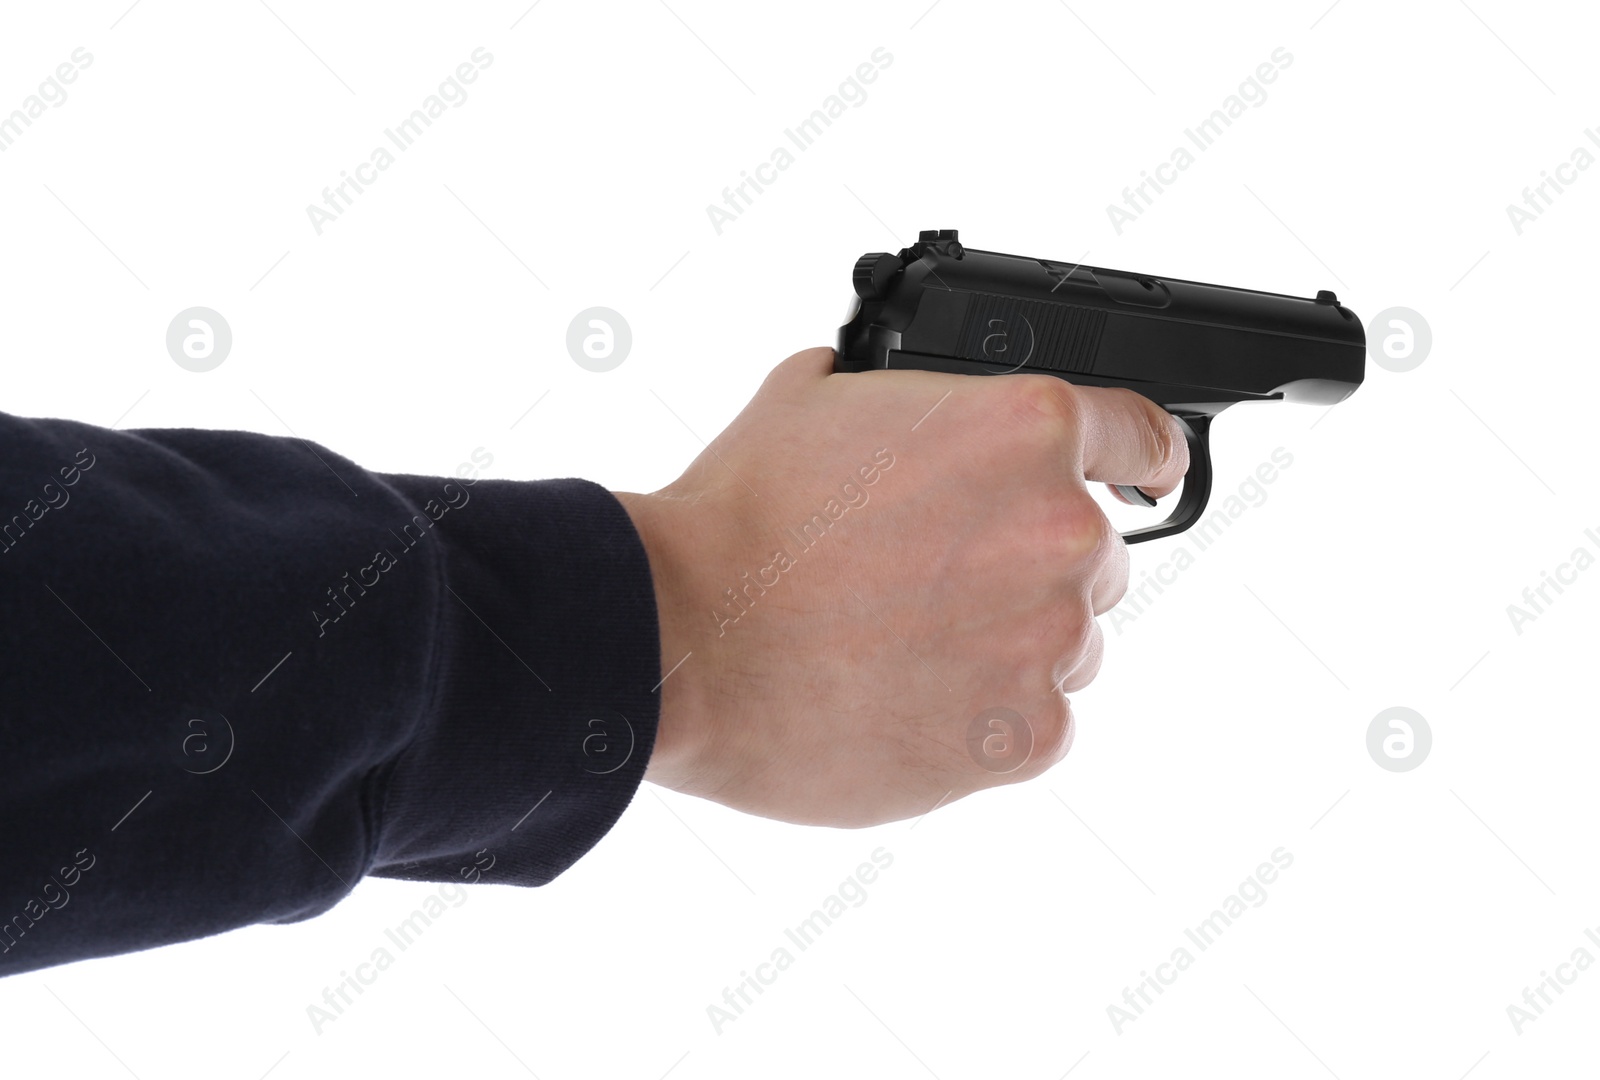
(1134, 495)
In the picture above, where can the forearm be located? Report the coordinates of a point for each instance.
(242, 672)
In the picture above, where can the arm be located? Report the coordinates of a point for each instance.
(823, 620)
(240, 672)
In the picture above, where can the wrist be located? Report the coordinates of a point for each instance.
(681, 728)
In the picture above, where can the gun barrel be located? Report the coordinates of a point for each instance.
(940, 304)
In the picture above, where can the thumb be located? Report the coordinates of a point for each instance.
(804, 367)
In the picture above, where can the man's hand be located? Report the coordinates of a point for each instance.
(865, 569)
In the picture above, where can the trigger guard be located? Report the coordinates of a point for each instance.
(1196, 483)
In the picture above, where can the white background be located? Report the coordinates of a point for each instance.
(1231, 716)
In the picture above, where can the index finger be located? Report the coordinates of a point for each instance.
(1129, 439)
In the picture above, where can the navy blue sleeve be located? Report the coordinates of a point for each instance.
(238, 673)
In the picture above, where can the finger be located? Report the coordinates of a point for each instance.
(1111, 581)
(1088, 665)
(1116, 493)
(1055, 753)
(1129, 439)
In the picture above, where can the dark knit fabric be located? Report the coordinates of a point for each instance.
(239, 672)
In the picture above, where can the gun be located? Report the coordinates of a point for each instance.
(1190, 347)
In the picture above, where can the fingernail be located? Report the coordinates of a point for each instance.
(1133, 495)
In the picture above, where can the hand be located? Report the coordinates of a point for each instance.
(863, 563)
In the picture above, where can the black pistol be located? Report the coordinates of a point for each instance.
(1190, 347)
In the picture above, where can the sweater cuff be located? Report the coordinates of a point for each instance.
(545, 662)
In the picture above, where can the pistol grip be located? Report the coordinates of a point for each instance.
(1196, 489)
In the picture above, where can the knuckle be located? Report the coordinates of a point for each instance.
(1053, 732)
(1080, 530)
(1075, 636)
(1086, 674)
(1072, 531)
(796, 369)
(1114, 570)
(1078, 660)
(1094, 653)
(1062, 642)
(1110, 540)
(1084, 651)
(1044, 403)
(1116, 589)
(1162, 445)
